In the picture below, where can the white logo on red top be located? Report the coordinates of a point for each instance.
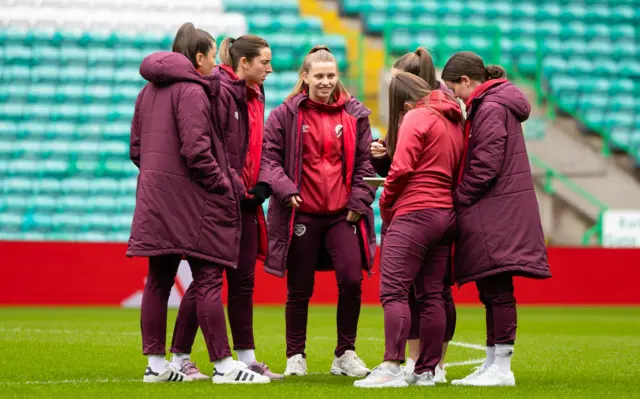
(339, 130)
(305, 128)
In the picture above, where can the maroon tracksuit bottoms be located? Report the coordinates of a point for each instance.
(240, 295)
(340, 240)
(207, 287)
(496, 293)
(449, 305)
(416, 251)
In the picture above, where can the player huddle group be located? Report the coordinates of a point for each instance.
(457, 206)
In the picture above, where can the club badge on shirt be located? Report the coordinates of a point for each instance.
(339, 130)
(299, 230)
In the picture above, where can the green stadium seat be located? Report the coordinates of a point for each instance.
(622, 32)
(43, 93)
(605, 67)
(572, 12)
(42, 73)
(101, 204)
(76, 185)
(74, 73)
(16, 73)
(10, 222)
(47, 185)
(105, 186)
(630, 68)
(87, 167)
(128, 57)
(12, 112)
(126, 204)
(72, 203)
(597, 13)
(17, 54)
(73, 55)
(8, 130)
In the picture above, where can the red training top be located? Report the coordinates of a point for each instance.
(427, 156)
(324, 187)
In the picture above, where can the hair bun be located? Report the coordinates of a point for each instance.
(494, 72)
(318, 48)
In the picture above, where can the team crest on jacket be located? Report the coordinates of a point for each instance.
(339, 130)
(299, 230)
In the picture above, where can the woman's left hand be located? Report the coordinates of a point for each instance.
(353, 217)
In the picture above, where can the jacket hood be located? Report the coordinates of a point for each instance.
(505, 93)
(444, 104)
(511, 97)
(230, 81)
(168, 67)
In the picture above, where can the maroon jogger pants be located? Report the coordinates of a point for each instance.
(207, 288)
(240, 296)
(496, 294)
(340, 239)
(416, 250)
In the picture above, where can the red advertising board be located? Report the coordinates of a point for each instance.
(88, 274)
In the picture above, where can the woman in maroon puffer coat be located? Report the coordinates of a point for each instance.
(186, 206)
(498, 220)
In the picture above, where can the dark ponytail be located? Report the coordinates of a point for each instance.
(471, 65)
(190, 41)
(419, 63)
(495, 72)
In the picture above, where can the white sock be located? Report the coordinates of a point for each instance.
(410, 365)
(178, 357)
(156, 362)
(503, 357)
(225, 365)
(246, 356)
(490, 356)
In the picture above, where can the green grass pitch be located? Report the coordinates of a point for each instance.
(95, 352)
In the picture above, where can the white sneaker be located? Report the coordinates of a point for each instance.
(296, 365)
(383, 376)
(476, 372)
(169, 374)
(425, 379)
(441, 375)
(492, 377)
(240, 375)
(349, 364)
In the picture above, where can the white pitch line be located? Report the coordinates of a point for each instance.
(51, 382)
(468, 345)
(464, 363)
(19, 330)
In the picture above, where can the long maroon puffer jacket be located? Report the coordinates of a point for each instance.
(185, 203)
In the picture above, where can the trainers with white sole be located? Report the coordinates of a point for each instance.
(383, 376)
(441, 375)
(476, 372)
(187, 367)
(296, 365)
(491, 377)
(239, 375)
(169, 374)
(349, 364)
(425, 379)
